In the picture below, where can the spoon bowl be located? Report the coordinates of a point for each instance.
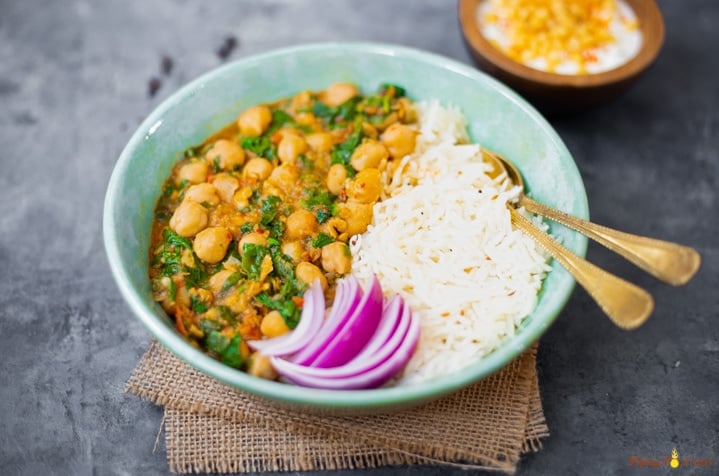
(672, 263)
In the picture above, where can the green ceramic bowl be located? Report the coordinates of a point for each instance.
(498, 118)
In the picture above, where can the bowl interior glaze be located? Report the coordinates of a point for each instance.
(497, 118)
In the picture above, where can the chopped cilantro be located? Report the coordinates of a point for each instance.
(247, 227)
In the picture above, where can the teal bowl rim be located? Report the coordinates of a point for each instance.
(339, 399)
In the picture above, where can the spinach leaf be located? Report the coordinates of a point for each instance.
(342, 152)
(231, 355)
(269, 209)
(226, 314)
(216, 342)
(322, 240)
(227, 349)
(252, 256)
(231, 280)
(247, 227)
(345, 112)
(283, 265)
(323, 214)
(279, 119)
(392, 90)
(318, 197)
(173, 239)
(285, 306)
(261, 146)
(197, 305)
(196, 276)
(209, 325)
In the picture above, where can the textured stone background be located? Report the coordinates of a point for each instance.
(74, 85)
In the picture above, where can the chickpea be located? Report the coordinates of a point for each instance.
(226, 185)
(334, 227)
(358, 215)
(306, 119)
(193, 172)
(260, 366)
(284, 176)
(365, 187)
(369, 154)
(211, 244)
(399, 139)
(257, 168)
(254, 121)
(308, 273)
(229, 154)
(253, 238)
(273, 325)
(204, 193)
(189, 218)
(242, 197)
(319, 141)
(290, 147)
(337, 93)
(336, 258)
(294, 250)
(301, 100)
(336, 177)
(368, 130)
(217, 280)
(300, 224)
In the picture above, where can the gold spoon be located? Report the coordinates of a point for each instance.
(626, 304)
(672, 263)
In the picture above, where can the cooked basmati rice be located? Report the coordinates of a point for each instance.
(442, 238)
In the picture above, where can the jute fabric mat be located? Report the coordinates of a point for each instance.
(210, 427)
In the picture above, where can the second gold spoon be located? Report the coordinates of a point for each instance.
(670, 262)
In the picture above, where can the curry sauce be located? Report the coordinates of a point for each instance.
(264, 207)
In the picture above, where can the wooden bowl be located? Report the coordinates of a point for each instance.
(557, 93)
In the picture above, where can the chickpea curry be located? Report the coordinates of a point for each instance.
(266, 206)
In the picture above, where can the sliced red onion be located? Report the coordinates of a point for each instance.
(356, 331)
(372, 378)
(382, 345)
(391, 323)
(347, 297)
(313, 311)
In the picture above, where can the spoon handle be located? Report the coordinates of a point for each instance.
(626, 304)
(672, 263)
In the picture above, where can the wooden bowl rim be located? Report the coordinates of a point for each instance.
(651, 45)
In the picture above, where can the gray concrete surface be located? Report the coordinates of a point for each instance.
(74, 85)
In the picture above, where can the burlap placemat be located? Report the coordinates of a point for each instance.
(210, 427)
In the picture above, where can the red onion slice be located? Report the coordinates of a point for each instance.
(356, 331)
(347, 297)
(313, 310)
(396, 318)
(373, 378)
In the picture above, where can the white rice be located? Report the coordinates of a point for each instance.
(442, 238)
